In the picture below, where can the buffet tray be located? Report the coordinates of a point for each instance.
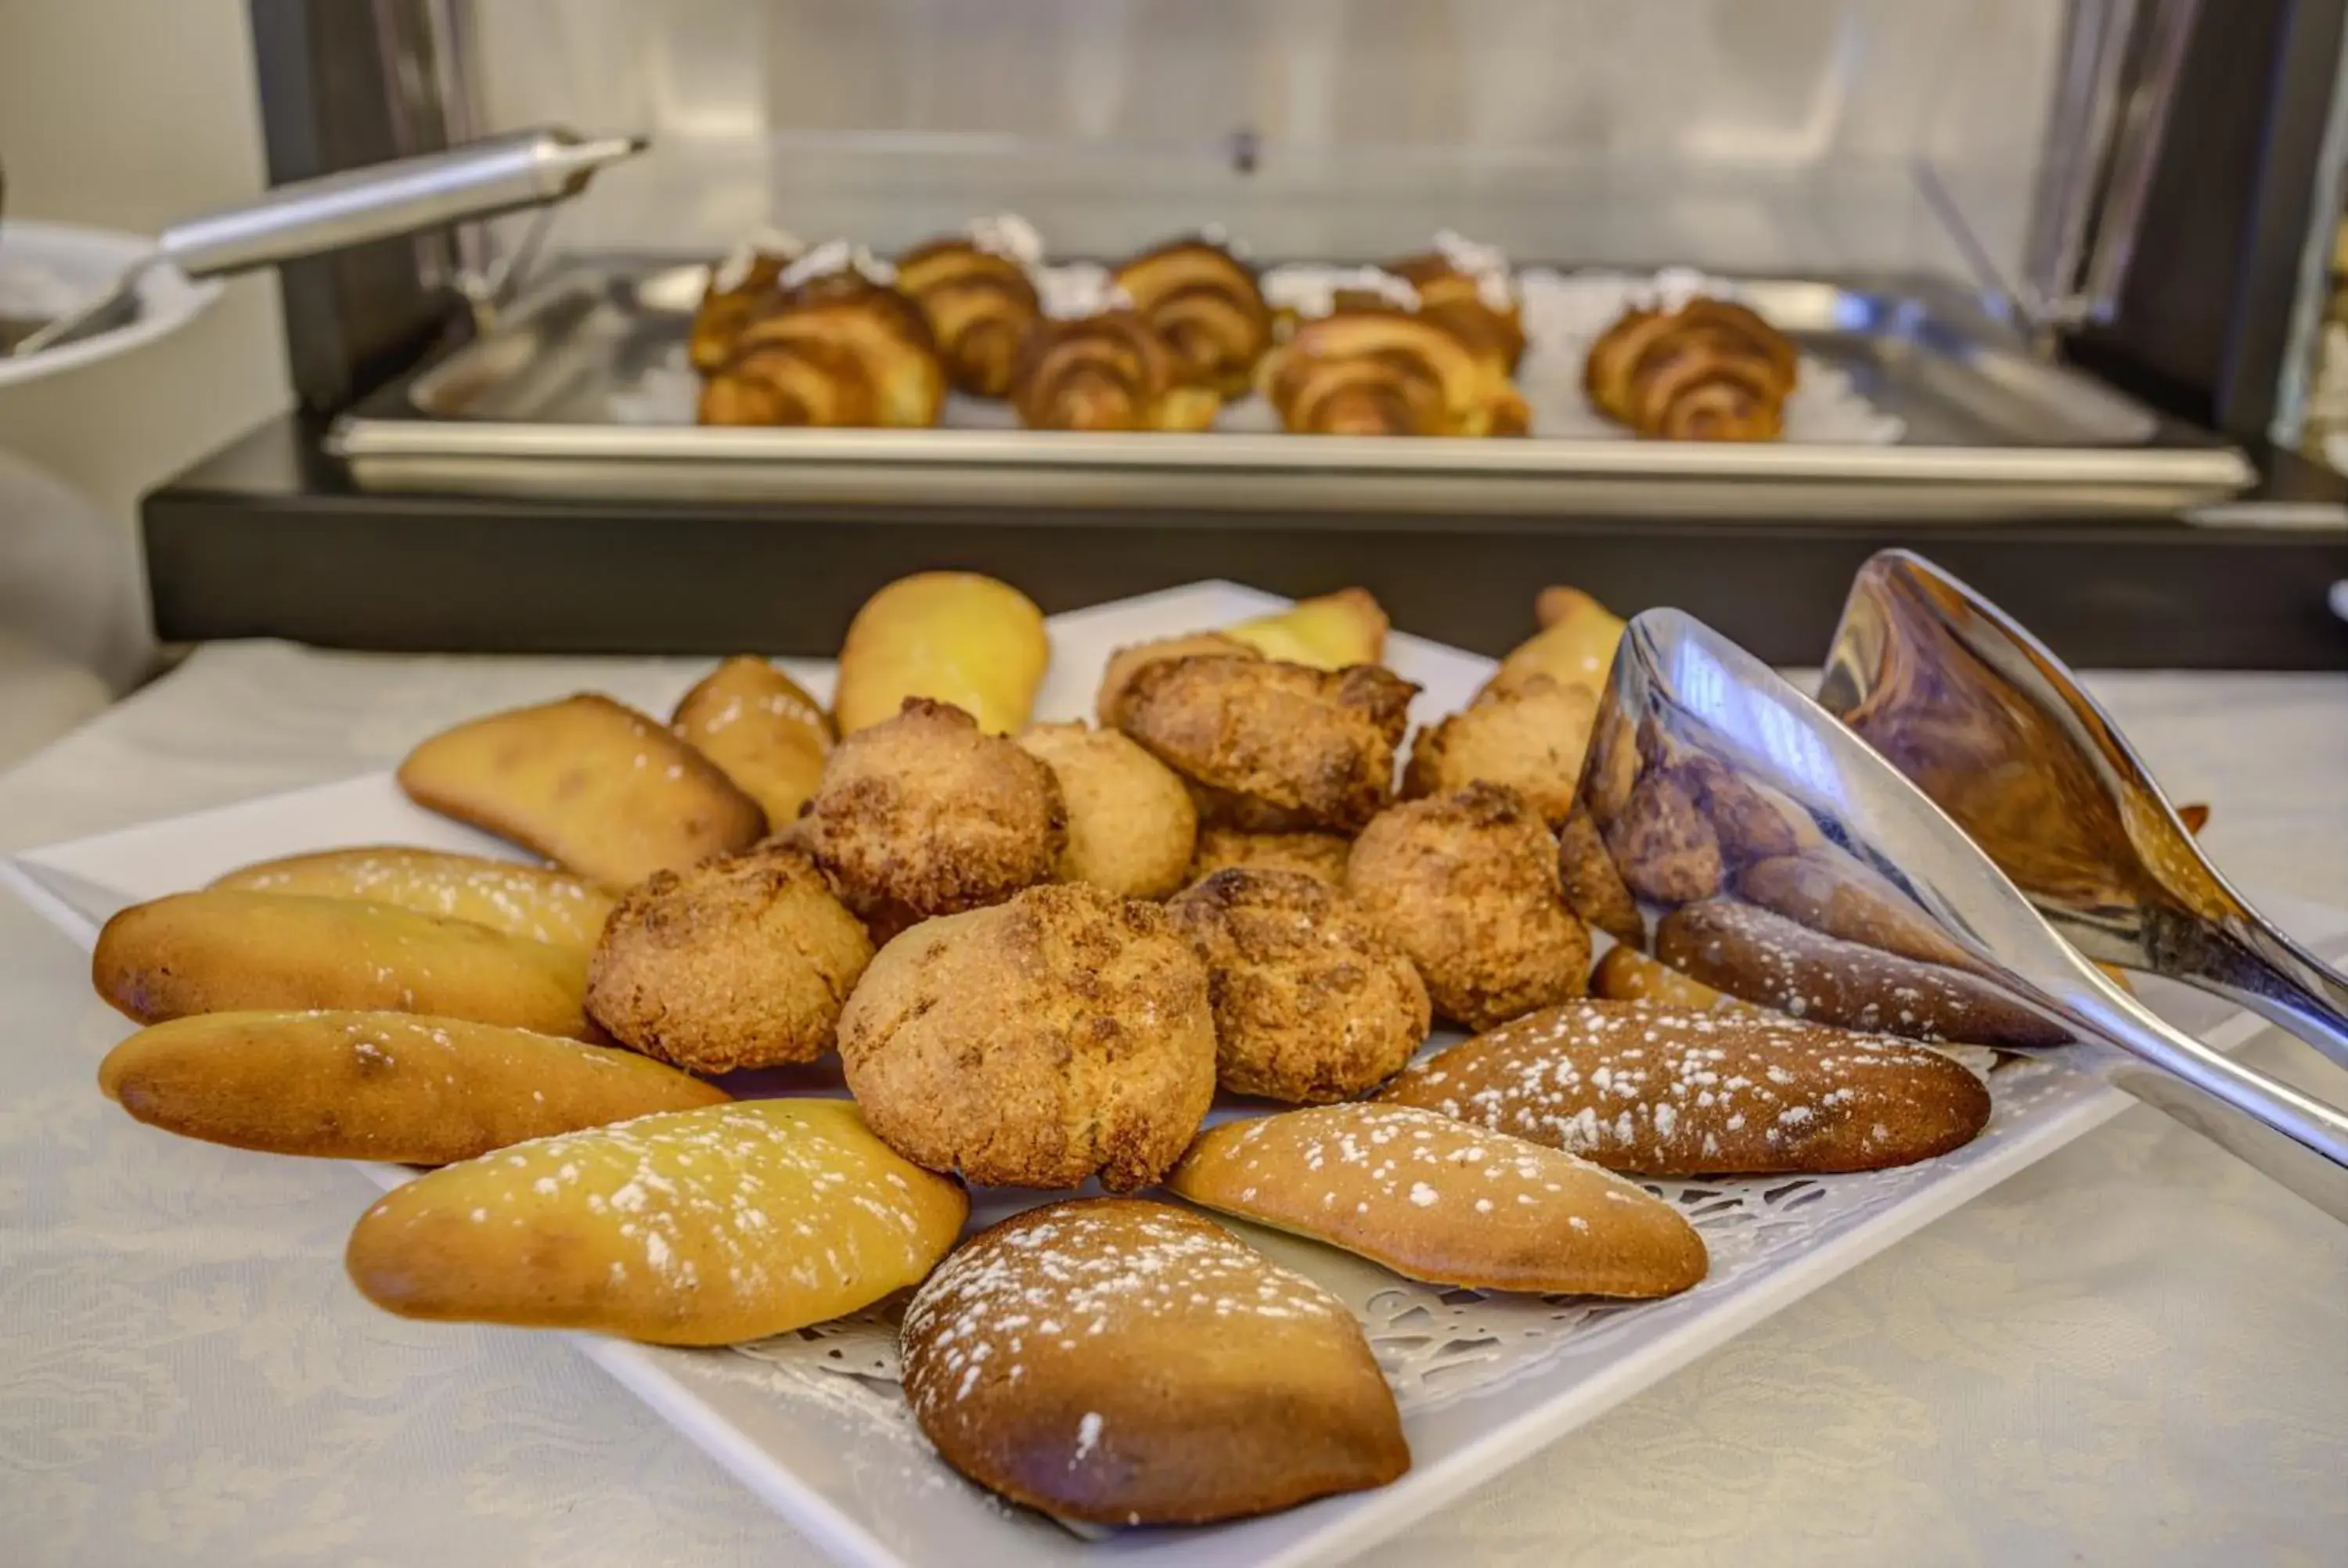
(552, 401)
(814, 1423)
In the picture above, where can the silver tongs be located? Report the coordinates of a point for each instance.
(1990, 724)
(1756, 843)
(310, 217)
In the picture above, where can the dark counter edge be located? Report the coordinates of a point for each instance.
(268, 538)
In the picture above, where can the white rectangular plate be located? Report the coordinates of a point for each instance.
(813, 1423)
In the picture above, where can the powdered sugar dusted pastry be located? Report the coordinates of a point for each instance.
(694, 1227)
(763, 728)
(1628, 975)
(1660, 1092)
(1125, 1362)
(533, 901)
(1435, 1199)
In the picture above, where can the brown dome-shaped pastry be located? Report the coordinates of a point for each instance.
(742, 287)
(1463, 302)
(1204, 301)
(1710, 370)
(837, 352)
(1383, 371)
(1105, 372)
(979, 305)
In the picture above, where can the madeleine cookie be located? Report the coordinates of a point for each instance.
(379, 1086)
(953, 637)
(1116, 676)
(1124, 1362)
(1317, 854)
(533, 901)
(594, 786)
(695, 1227)
(762, 730)
(1466, 885)
(1131, 826)
(742, 961)
(232, 952)
(1659, 1091)
(1437, 1200)
(1060, 1035)
(1310, 1003)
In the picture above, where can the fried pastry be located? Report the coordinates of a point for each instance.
(1529, 737)
(1466, 884)
(1709, 371)
(1437, 1200)
(1310, 1003)
(741, 961)
(762, 730)
(1106, 371)
(1116, 676)
(1131, 826)
(1659, 1091)
(1328, 632)
(979, 305)
(693, 1228)
(1320, 855)
(379, 1086)
(1126, 1362)
(220, 951)
(1205, 302)
(596, 787)
(1313, 748)
(842, 351)
(925, 816)
(952, 636)
(1575, 645)
(1059, 1036)
(532, 901)
(1386, 371)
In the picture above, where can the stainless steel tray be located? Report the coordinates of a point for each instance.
(529, 409)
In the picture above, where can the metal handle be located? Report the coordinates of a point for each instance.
(478, 179)
(2264, 971)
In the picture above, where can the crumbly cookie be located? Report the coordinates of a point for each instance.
(1530, 736)
(1320, 855)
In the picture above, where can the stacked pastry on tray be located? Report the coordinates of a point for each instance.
(1040, 953)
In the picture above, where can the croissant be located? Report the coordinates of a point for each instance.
(1206, 305)
(1383, 371)
(837, 352)
(979, 305)
(740, 287)
(1106, 371)
(1710, 370)
(1465, 304)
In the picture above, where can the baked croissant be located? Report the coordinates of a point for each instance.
(837, 352)
(740, 287)
(1456, 300)
(1204, 301)
(1381, 371)
(1106, 371)
(979, 305)
(1710, 370)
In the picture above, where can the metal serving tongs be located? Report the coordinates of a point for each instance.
(1767, 851)
(309, 217)
(1991, 725)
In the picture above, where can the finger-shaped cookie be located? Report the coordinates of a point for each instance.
(533, 901)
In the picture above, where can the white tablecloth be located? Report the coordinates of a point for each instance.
(2136, 1352)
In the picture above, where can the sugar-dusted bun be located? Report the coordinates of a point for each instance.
(1437, 1200)
(1663, 1092)
(695, 1227)
(379, 1086)
(533, 901)
(1125, 1362)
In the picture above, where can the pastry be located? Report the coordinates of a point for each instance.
(1465, 288)
(1310, 1003)
(1628, 975)
(1062, 1035)
(596, 787)
(1659, 1091)
(1575, 645)
(840, 350)
(1466, 884)
(1116, 676)
(236, 952)
(925, 816)
(1124, 1362)
(532, 901)
(379, 1086)
(1320, 854)
(1386, 371)
(1313, 748)
(1437, 1200)
(740, 287)
(1762, 957)
(1131, 826)
(979, 305)
(952, 636)
(1204, 301)
(693, 1228)
(1709, 371)
(741, 961)
(1529, 737)
(762, 730)
(1592, 885)
(1106, 371)
(1329, 632)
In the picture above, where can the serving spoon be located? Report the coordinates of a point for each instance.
(1765, 848)
(1985, 721)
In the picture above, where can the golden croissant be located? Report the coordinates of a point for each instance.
(1381, 371)
(1203, 301)
(737, 292)
(979, 305)
(1710, 370)
(839, 351)
(1106, 371)
(1454, 299)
